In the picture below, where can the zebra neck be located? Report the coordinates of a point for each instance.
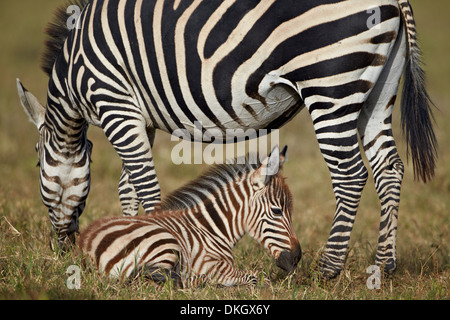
(67, 128)
(222, 214)
(67, 144)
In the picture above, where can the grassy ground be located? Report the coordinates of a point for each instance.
(29, 270)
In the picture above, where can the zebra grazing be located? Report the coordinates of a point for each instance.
(192, 235)
(134, 66)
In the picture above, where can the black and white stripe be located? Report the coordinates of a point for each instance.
(190, 237)
(134, 66)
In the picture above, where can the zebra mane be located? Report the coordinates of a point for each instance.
(213, 179)
(57, 32)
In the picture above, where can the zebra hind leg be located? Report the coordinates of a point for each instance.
(335, 125)
(387, 169)
(349, 176)
(375, 128)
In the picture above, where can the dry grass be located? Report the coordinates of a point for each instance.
(29, 270)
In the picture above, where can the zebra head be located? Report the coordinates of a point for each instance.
(269, 221)
(64, 167)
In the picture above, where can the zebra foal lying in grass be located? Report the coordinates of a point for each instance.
(190, 237)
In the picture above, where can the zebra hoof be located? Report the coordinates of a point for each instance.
(61, 245)
(390, 266)
(329, 268)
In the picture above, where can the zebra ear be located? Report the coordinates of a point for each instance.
(268, 168)
(283, 156)
(31, 105)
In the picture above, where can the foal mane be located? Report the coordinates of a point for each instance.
(212, 180)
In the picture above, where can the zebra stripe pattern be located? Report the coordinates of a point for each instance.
(191, 236)
(134, 66)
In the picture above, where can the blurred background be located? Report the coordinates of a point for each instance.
(424, 211)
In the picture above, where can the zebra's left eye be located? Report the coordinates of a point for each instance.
(276, 211)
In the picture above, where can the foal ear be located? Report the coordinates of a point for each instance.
(268, 168)
(283, 156)
(31, 105)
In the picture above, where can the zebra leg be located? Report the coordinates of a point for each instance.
(375, 128)
(239, 278)
(159, 275)
(388, 171)
(348, 176)
(234, 278)
(129, 137)
(127, 194)
(224, 274)
(337, 135)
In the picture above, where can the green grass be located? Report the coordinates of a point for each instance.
(29, 270)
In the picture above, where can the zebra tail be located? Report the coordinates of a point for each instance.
(416, 113)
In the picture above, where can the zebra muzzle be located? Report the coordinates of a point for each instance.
(288, 260)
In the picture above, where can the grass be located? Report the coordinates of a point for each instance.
(29, 270)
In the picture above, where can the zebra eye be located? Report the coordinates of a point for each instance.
(276, 211)
(37, 150)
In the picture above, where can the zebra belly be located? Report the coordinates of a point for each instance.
(275, 103)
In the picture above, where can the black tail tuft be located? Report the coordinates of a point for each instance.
(417, 119)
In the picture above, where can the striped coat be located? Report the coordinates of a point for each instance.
(191, 237)
(133, 67)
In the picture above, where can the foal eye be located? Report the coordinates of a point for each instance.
(276, 211)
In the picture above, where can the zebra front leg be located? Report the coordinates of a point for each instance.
(129, 137)
(160, 275)
(223, 273)
(239, 279)
(127, 194)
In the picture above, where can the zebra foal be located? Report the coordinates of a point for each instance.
(192, 234)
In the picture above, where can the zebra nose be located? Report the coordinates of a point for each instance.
(288, 260)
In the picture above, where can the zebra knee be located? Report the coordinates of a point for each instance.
(350, 175)
(389, 174)
(398, 169)
(160, 275)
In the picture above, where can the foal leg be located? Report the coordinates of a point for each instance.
(160, 275)
(223, 273)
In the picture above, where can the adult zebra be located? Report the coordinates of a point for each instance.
(190, 237)
(134, 66)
